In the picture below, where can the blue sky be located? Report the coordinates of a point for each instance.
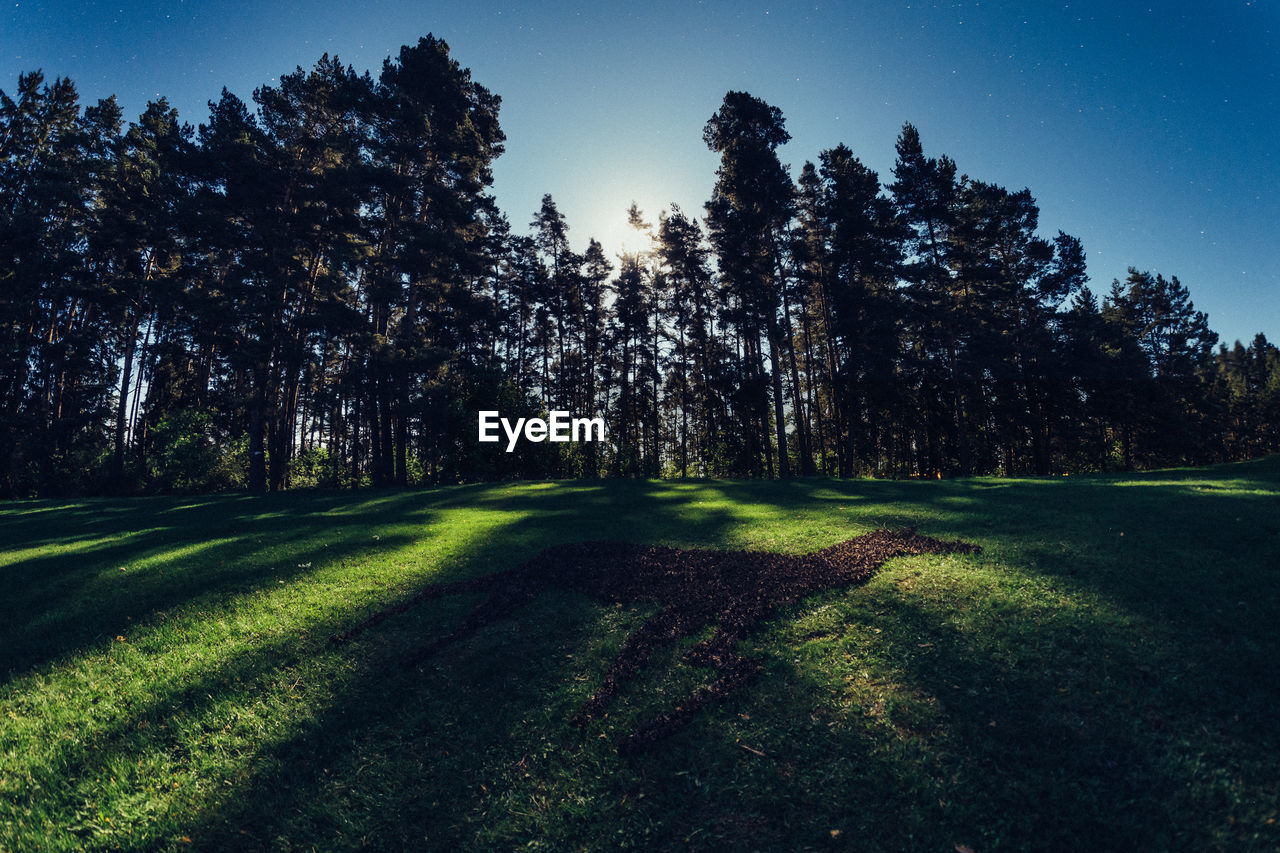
(1148, 130)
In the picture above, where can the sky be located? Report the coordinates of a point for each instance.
(1147, 129)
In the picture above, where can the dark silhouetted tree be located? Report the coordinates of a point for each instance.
(748, 217)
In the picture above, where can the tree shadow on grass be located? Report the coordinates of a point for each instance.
(1080, 734)
(99, 568)
(413, 760)
(1173, 546)
(441, 759)
(372, 689)
(895, 726)
(137, 562)
(476, 751)
(104, 567)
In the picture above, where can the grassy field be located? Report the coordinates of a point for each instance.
(1105, 675)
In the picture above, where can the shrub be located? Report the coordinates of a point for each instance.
(186, 456)
(317, 468)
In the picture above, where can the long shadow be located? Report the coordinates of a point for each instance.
(509, 692)
(469, 723)
(153, 724)
(133, 565)
(280, 533)
(1018, 754)
(458, 728)
(138, 565)
(488, 705)
(1161, 544)
(1011, 755)
(973, 772)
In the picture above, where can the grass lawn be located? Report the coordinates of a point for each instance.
(1105, 675)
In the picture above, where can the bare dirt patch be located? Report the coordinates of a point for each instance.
(732, 590)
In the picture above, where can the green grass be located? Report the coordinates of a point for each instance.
(1106, 675)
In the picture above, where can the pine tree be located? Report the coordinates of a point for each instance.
(140, 246)
(1013, 282)
(593, 284)
(853, 256)
(685, 265)
(1164, 412)
(925, 191)
(55, 335)
(551, 234)
(433, 139)
(748, 219)
(629, 356)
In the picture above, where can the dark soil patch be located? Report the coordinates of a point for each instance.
(734, 590)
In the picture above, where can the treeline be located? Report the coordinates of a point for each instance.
(320, 290)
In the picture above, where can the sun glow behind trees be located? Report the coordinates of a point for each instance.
(1143, 130)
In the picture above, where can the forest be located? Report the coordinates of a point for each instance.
(320, 290)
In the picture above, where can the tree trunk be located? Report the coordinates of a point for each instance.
(122, 407)
(257, 454)
(401, 428)
(779, 419)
